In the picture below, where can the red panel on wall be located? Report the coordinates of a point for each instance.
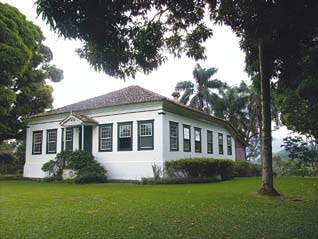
(240, 154)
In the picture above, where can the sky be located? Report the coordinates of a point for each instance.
(82, 82)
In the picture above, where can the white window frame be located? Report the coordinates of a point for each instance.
(49, 141)
(34, 143)
(146, 133)
(175, 137)
(106, 138)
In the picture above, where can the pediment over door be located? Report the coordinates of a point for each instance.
(76, 120)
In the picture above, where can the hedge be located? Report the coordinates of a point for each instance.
(11, 169)
(246, 169)
(199, 168)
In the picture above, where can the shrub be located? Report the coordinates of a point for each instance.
(156, 170)
(8, 161)
(246, 169)
(88, 169)
(199, 168)
(226, 169)
(90, 173)
(6, 169)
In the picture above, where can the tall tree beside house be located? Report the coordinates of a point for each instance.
(24, 68)
(274, 36)
(241, 106)
(199, 95)
(298, 101)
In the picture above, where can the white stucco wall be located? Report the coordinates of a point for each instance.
(204, 126)
(34, 163)
(132, 165)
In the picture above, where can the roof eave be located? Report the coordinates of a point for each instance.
(175, 107)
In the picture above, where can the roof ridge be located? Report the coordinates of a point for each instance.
(128, 95)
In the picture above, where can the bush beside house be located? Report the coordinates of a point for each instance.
(200, 168)
(194, 170)
(82, 162)
(11, 158)
(203, 170)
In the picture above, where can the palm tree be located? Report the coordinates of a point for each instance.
(241, 106)
(199, 95)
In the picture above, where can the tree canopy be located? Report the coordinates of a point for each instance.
(122, 37)
(24, 67)
(199, 95)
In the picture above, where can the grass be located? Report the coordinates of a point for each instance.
(228, 209)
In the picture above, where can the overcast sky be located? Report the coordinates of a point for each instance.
(82, 82)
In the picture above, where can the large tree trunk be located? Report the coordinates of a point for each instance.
(266, 131)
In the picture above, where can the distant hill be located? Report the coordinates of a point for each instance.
(283, 154)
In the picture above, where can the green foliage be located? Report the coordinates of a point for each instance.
(55, 167)
(91, 173)
(136, 32)
(200, 95)
(10, 163)
(6, 154)
(241, 106)
(199, 168)
(157, 171)
(24, 68)
(302, 151)
(297, 99)
(292, 168)
(246, 169)
(87, 168)
(11, 169)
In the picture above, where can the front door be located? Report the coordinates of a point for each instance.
(88, 130)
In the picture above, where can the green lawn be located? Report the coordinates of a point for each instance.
(219, 210)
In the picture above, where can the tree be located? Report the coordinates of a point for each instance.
(135, 31)
(303, 151)
(204, 98)
(274, 35)
(24, 67)
(298, 101)
(240, 106)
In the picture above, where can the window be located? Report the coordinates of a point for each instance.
(125, 136)
(69, 139)
(105, 138)
(37, 142)
(210, 141)
(229, 145)
(186, 138)
(51, 141)
(145, 135)
(174, 136)
(197, 140)
(220, 143)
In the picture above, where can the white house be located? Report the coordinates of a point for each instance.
(128, 131)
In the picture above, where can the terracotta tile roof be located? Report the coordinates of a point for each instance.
(128, 95)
